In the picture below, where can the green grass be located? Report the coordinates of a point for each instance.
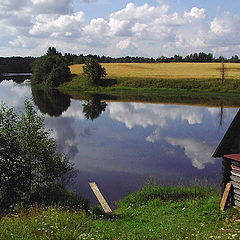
(154, 212)
(197, 80)
(77, 89)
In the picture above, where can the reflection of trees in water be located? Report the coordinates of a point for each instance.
(15, 79)
(51, 102)
(93, 107)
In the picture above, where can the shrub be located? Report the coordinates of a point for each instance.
(50, 70)
(93, 71)
(29, 161)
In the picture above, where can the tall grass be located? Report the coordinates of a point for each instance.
(153, 213)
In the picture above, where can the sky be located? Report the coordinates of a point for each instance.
(120, 27)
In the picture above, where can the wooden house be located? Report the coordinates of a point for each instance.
(229, 150)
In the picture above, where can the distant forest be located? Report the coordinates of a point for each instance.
(23, 64)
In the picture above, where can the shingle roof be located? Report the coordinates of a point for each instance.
(230, 143)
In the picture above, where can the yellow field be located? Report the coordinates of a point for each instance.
(167, 70)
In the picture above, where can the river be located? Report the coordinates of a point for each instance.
(123, 145)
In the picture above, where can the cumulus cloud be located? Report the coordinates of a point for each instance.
(137, 29)
(23, 42)
(63, 26)
(144, 115)
(18, 94)
(195, 13)
(199, 153)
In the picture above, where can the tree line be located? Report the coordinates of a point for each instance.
(25, 64)
(16, 64)
(193, 57)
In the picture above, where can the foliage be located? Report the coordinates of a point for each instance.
(187, 218)
(29, 162)
(50, 101)
(93, 108)
(16, 64)
(50, 70)
(93, 71)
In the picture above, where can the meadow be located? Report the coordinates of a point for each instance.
(152, 213)
(188, 76)
(167, 70)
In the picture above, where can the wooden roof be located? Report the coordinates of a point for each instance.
(235, 157)
(230, 143)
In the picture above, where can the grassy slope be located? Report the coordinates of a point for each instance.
(200, 78)
(152, 213)
(186, 83)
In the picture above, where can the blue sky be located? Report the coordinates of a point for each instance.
(105, 7)
(119, 28)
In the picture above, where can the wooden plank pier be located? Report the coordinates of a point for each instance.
(100, 197)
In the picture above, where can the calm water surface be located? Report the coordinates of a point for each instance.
(130, 143)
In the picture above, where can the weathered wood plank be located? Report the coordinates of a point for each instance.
(234, 167)
(237, 191)
(236, 197)
(225, 196)
(100, 197)
(235, 179)
(235, 163)
(236, 185)
(235, 173)
(237, 203)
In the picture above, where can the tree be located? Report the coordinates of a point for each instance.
(93, 71)
(29, 162)
(52, 51)
(50, 70)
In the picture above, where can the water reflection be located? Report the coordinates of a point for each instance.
(51, 102)
(129, 142)
(93, 107)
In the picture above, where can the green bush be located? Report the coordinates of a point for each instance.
(29, 161)
(50, 70)
(93, 71)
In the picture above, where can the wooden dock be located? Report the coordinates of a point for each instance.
(100, 197)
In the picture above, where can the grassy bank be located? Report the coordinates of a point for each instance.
(166, 96)
(194, 80)
(152, 213)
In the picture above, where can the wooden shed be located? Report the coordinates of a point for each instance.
(229, 151)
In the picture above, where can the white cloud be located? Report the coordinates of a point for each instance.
(134, 30)
(144, 115)
(199, 153)
(132, 12)
(195, 13)
(98, 27)
(76, 111)
(125, 44)
(58, 26)
(23, 42)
